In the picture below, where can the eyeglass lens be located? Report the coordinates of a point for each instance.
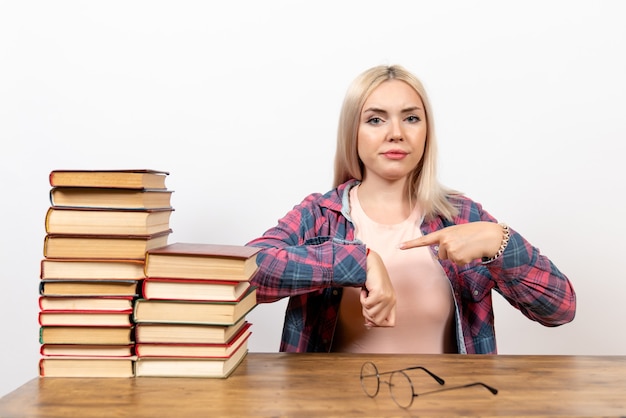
(369, 379)
(401, 389)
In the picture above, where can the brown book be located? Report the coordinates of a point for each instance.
(209, 367)
(110, 198)
(91, 221)
(207, 290)
(187, 333)
(102, 246)
(91, 269)
(85, 318)
(131, 179)
(87, 350)
(88, 287)
(86, 335)
(202, 261)
(85, 303)
(86, 367)
(194, 312)
(192, 350)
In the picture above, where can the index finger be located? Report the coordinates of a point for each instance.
(430, 239)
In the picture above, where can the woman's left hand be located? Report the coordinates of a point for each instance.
(462, 243)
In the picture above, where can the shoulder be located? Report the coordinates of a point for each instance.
(469, 210)
(332, 199)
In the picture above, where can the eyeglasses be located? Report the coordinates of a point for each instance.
(401, 386)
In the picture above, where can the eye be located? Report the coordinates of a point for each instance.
(413, 119)
(374, 120)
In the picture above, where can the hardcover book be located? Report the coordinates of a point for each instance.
(86, 367)
(202, 290)
(148, 332)
(88, 287)
(102, 246)
(91, 269)
(85, 303)
(91, 221)
(134, 178)
(193, 350)
(85, 318)
(194, 312)
(86, 335)
(110, 198)
(87, 350)
(190, 367)
(202, 261)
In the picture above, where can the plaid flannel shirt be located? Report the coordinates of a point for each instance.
(312, 254)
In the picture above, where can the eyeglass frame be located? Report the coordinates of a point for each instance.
(403, 371)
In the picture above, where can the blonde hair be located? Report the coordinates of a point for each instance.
(423, 184)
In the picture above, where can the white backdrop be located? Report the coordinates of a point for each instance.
(239, 101)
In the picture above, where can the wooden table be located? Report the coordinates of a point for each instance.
(279, 384)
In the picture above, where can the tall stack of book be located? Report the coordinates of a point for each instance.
(98, 228)
(191, 316)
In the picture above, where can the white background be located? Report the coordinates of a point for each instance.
(239, 101)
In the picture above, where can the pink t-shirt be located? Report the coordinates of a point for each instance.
(425, 308)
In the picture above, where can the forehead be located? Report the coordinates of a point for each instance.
(391, 93)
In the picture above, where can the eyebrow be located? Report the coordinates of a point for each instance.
(405, 110)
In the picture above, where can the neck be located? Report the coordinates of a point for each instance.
(386, 202)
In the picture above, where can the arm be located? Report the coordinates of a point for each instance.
(307, 251)
(533, 284)
(313, 248)
(526, 278)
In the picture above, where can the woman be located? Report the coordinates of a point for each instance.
(389, 260)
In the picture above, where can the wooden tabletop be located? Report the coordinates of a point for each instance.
(325, 385)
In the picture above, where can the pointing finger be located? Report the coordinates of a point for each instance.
(429, 239)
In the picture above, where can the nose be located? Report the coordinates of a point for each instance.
(395, 131)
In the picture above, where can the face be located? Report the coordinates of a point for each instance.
(392, 132)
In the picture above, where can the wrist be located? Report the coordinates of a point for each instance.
(506, 236)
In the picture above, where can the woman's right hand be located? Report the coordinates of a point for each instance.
(378, 297)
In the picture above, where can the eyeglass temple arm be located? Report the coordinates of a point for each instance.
(491, 389)
(433, 375)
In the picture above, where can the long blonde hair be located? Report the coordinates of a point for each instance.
(423, 184)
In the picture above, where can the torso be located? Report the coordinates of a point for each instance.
(425, 308)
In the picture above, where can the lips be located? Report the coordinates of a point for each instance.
(395, 154)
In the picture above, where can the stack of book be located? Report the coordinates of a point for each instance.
(191, 315)
(98, 228)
